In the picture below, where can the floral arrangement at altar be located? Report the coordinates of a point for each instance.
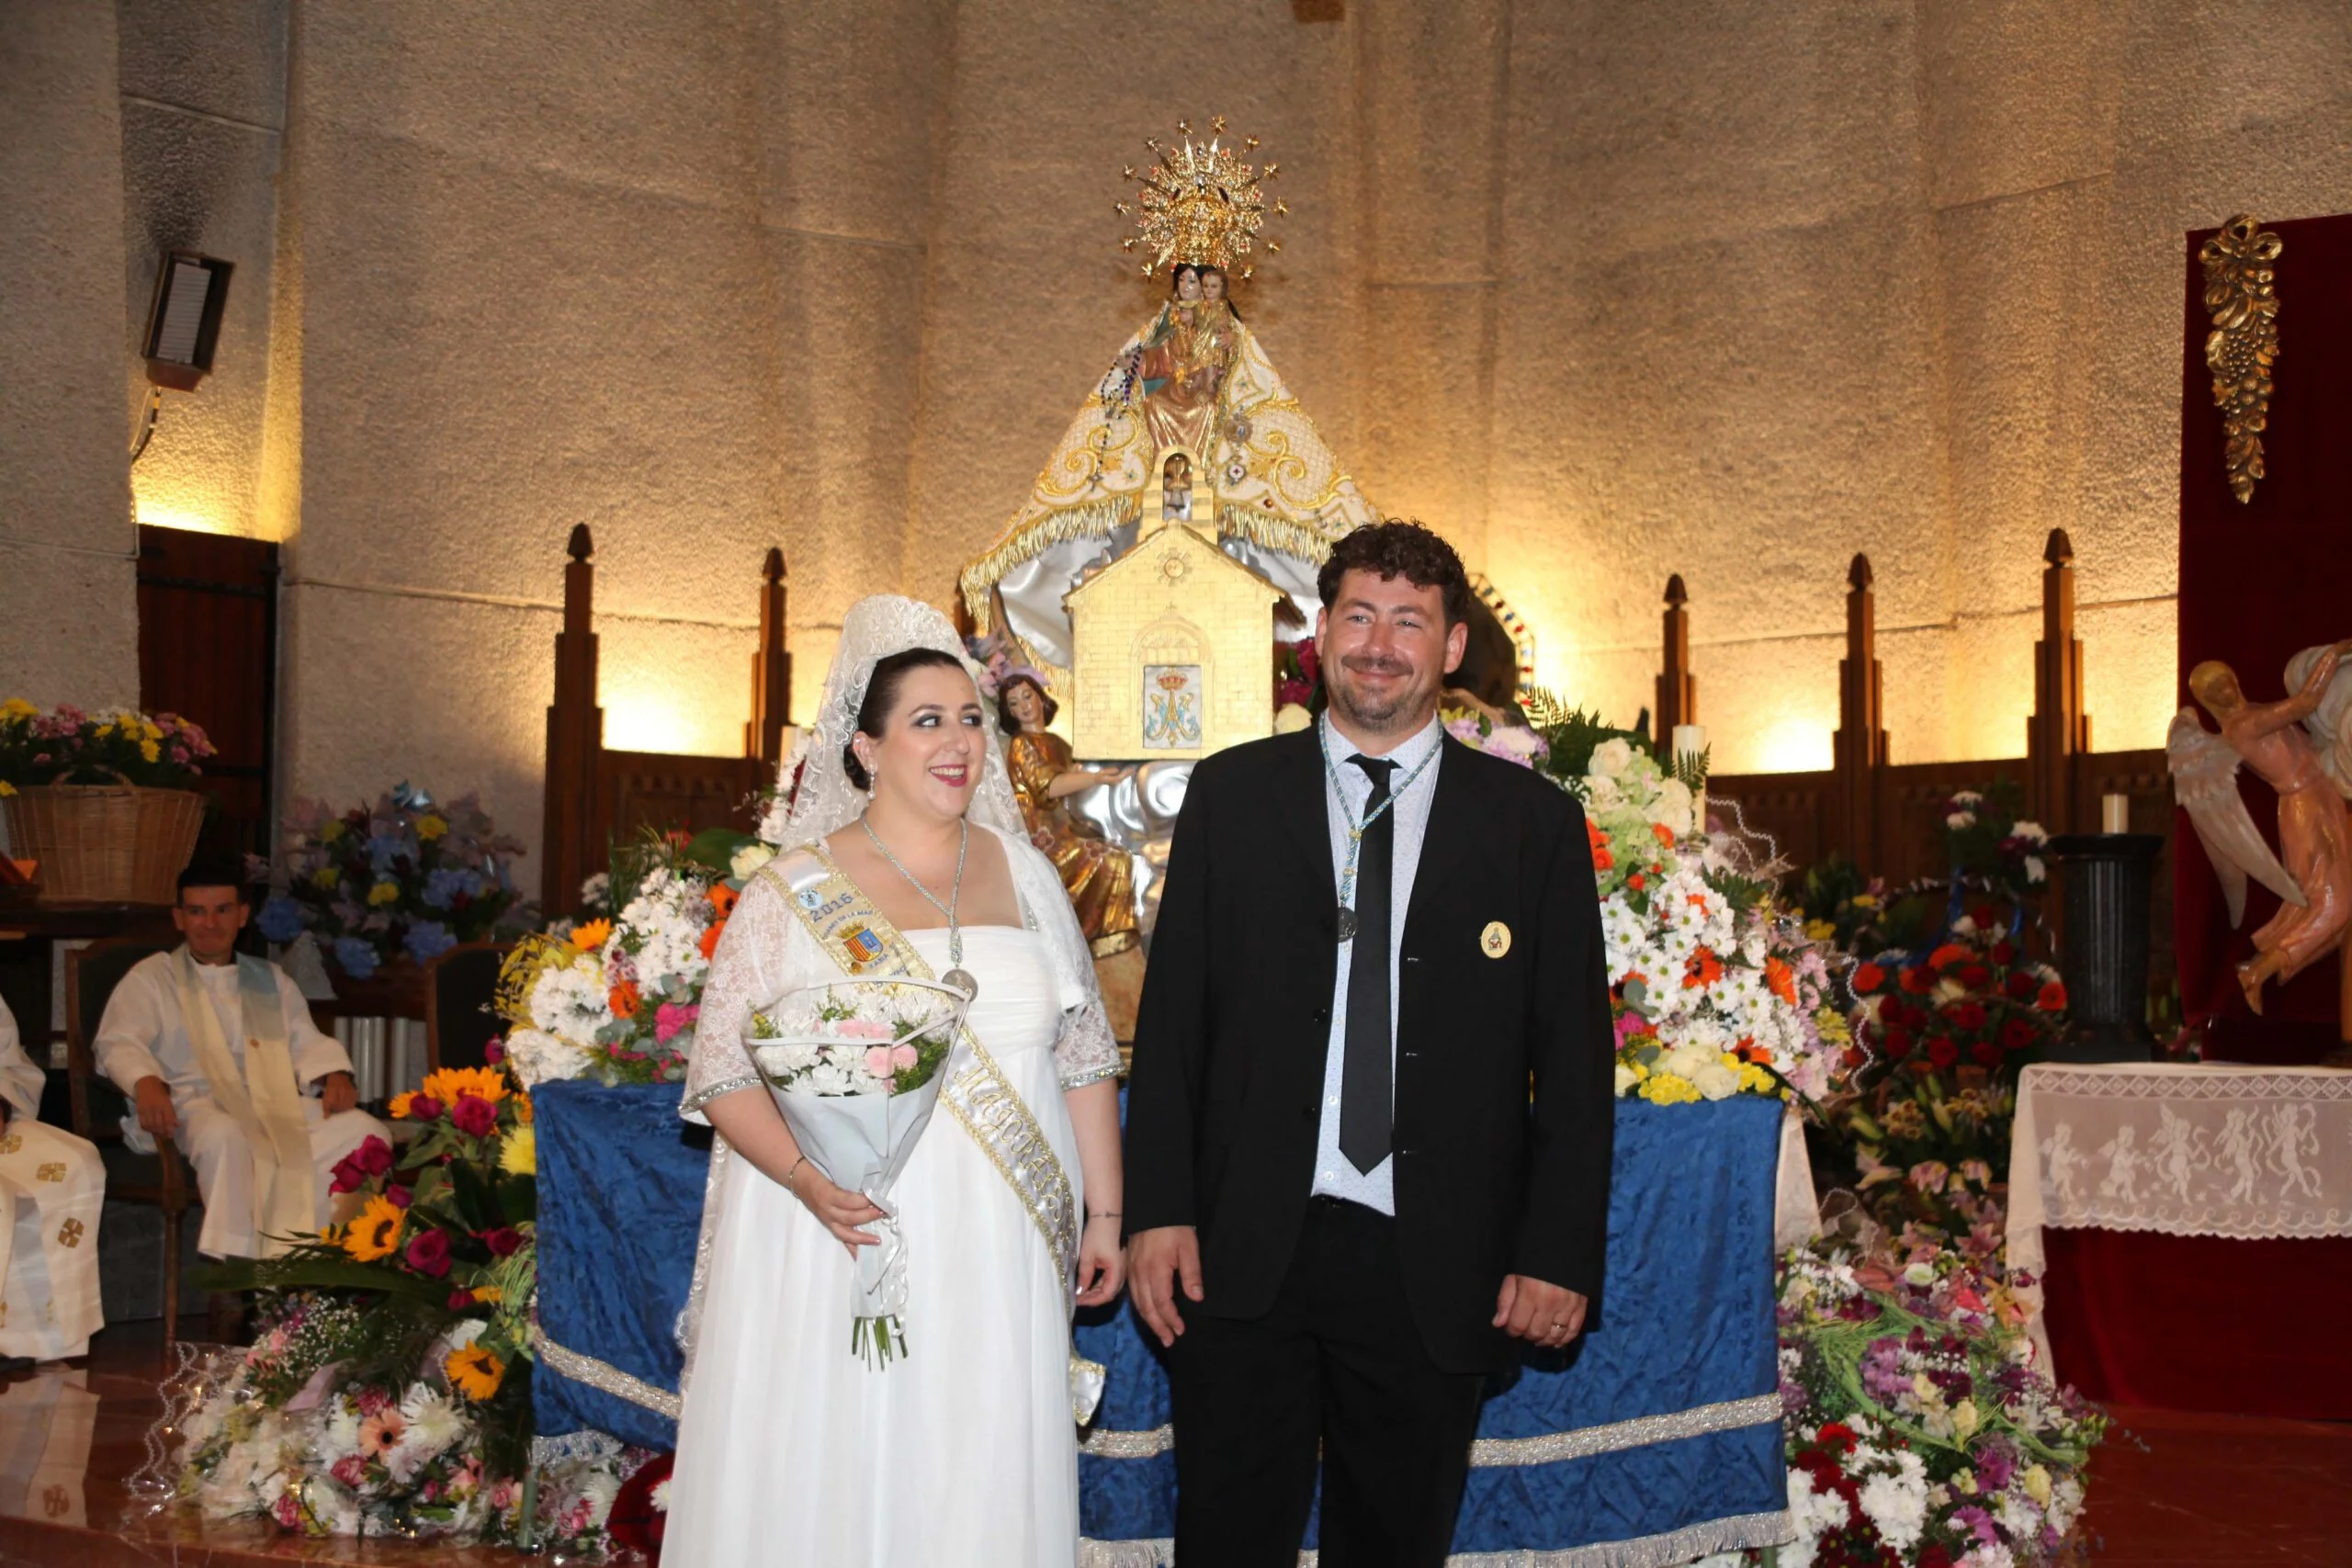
(388, 1387)
(1988, 840)
(1920, 1432)
(1715, 987)
(406, 876)
(67, 746)
(616, 997)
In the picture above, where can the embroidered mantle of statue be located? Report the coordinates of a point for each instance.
(1191, 382)
(1098, 875)
(2301, 747)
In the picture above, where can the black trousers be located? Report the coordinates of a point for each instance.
(1336, 1364)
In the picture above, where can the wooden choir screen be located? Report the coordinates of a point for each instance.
(1888, 816)
(596, 795)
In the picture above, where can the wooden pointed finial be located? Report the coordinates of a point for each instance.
(773, 570)
(2060, 550)
(582, 547)
(1675, 595)
(1858, 574)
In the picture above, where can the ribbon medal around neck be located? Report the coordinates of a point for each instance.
(1349, 923)
(956, 975)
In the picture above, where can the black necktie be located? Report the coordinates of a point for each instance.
(1366, 1096)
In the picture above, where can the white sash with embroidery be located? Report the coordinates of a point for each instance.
(262, 1099)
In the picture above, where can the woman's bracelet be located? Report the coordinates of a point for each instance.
(793, 1172)
(1105, 1214)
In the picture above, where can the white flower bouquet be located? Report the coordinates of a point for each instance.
(854, 1068)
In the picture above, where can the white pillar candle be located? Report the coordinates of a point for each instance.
(2115, 814)
(1690, 739)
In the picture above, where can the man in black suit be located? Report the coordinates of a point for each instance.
(1344, 1204)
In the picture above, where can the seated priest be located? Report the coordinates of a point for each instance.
(218, 1053)
(51, 1186)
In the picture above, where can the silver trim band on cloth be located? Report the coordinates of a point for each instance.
(603, 1376)
(1739, 1532)
(1489, 1453)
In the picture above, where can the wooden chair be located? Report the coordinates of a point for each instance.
(459, 986)
(161, 1178)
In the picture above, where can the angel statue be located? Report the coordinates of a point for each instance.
(2301, 747)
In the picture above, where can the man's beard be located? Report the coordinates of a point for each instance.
(1376, 714)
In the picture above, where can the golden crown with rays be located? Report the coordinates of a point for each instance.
(1200, 205)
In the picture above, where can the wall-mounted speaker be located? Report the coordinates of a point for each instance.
(184, 324)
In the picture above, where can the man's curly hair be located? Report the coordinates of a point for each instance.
(1395, 548)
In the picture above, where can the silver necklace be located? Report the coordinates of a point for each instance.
(1349, 924)
(956, 974)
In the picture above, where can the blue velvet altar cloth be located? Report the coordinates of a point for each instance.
(1686, 1320)
(620, 1206)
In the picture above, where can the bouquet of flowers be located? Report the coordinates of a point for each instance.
(1920, 1431)
(1715, 989)
(388, 1388)
(1987, 837)
(69, 746)
(855, 1067)
(617, 997)
(405, 875)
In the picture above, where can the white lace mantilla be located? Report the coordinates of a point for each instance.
(2184, 1149)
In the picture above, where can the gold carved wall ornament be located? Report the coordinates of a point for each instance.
(2241, 290)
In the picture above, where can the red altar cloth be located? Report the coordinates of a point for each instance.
(2251, 1327)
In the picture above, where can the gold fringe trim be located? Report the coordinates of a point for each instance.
(1271, 531)
(1025, 542)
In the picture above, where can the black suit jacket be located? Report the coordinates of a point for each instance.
(1224, 1102)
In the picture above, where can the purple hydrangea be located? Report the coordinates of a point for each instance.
(281, 920)
(446, 885)
(427, 939)
(356, 958)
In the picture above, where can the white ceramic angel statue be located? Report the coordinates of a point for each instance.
(2302, 747)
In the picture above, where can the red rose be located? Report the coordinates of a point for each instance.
(1983, 916)
(1935, 1554)
(424, 1108)
(503, 1242)
(2005, 951)
(1868, 977)
(428, 1252)
(2052, 998)
(474, 1116)
(2019, 1034)
(1918, 980)
(400, 1197)
(1975, 976)
(2022, 986)
(461, 1299)
(374, 1157)
(635, 1522)
(1987, 1053)
(1898, 1044)
(1941, 1052)
(1969, 1016)
(348, 1177)
(1915, 1019)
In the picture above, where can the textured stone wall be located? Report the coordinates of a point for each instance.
(1605, 292)
(68, 618)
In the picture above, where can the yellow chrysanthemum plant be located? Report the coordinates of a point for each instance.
(67, 746)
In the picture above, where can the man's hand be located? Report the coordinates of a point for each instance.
(1549, 1315)
(337, 1093)
(152, 1097)
(1157, 1260)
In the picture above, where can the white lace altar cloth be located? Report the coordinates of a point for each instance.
(2180, 1148)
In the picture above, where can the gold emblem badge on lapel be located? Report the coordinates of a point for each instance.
(1494, 941)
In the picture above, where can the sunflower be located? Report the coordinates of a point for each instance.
(482, 1083)
(474, 1371)
(519, 1152)
(398, 1109)
(377, 1232)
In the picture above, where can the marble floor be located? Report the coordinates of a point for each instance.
(2169, 1489)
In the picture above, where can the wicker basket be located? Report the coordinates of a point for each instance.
(105, 843)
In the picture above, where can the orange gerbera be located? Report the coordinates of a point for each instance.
(1780, 980)
(589, 936)
(377, 1232)
(722, 900)
(483, 1083)
(1704, 969)
(1601, 859)
(1868, 977)
(624, 999)
(2052, 998)
(1664, 834)
(709, 943)
(475, 1371)
(1946, 955)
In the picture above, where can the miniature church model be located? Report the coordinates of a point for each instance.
(1171, 641)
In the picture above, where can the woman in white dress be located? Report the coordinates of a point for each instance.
(791, 1449)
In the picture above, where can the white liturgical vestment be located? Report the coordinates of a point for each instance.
(51, 1188)
(146, 1034)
